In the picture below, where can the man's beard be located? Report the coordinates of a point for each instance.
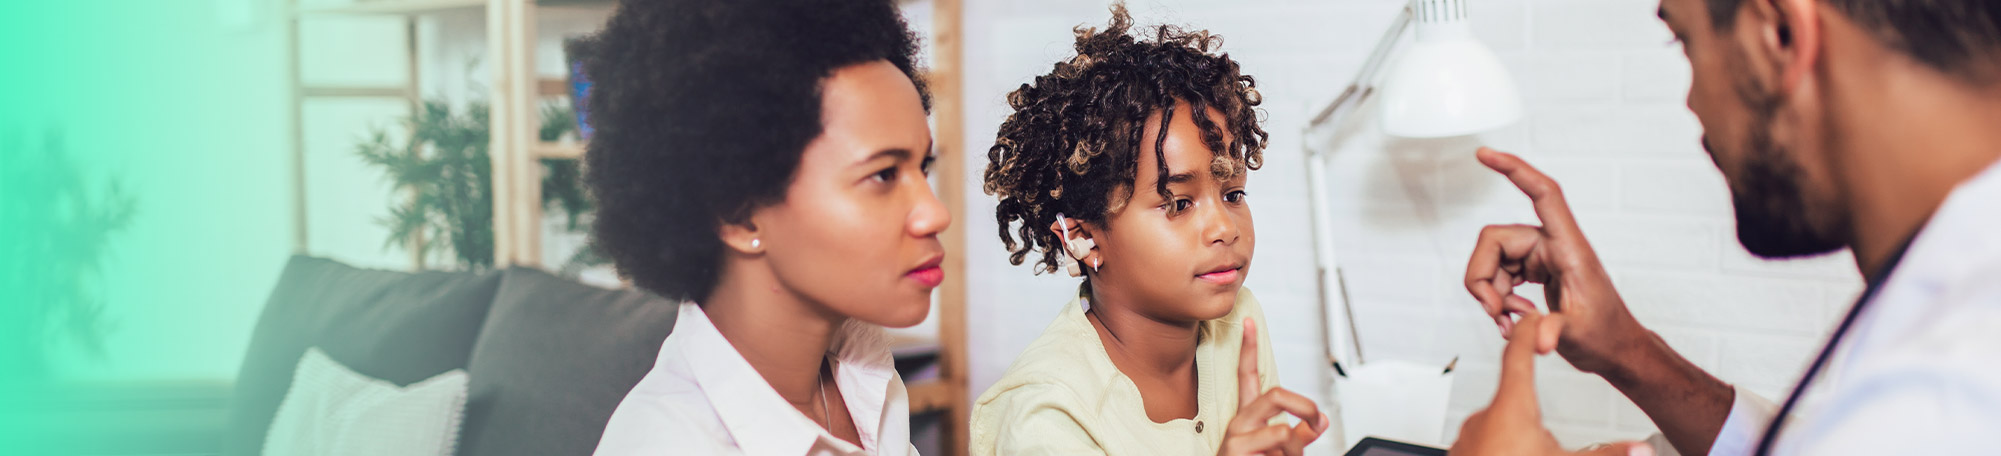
(1773, 213)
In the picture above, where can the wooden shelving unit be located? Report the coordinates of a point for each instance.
(515, 93)
(947, 82)
(392, 7)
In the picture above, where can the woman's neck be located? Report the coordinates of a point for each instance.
(748, 305)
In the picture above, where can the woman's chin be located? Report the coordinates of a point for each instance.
(903, 314)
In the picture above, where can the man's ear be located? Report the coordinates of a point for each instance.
(1789, 31)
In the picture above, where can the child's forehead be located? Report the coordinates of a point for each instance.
(1189, 157)
(1190, 165)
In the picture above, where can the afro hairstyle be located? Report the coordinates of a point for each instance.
(702, 109)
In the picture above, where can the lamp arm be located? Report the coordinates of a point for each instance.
(1364, 84)
(1337, 318)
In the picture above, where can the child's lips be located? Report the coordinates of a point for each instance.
(1222, 277)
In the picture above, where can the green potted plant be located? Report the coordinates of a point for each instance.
(55, 230)
(445, 164)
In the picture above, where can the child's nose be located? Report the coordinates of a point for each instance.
(1220, 227)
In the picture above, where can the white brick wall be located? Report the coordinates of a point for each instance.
(1604, 92)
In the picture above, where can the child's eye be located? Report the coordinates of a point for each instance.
(1183, 204)
(1235, 196)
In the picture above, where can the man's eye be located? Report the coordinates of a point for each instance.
(1235, 196)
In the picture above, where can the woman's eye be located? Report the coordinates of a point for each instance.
(926, 168)
(1235, 196)
(886, 175)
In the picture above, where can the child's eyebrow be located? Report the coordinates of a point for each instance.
(1180, 178)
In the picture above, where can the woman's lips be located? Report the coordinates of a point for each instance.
(929, 276)
(1222, 277)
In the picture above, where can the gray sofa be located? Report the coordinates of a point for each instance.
(549, 358)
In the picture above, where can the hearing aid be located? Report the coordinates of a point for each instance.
(1076, 248)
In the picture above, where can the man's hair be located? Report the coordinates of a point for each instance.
(1957, 37)
(702, 109)
(1072, 145)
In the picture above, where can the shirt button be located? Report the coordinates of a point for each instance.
(1198, 427)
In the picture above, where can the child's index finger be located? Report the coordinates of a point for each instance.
(1516, 391)
(1248, 386)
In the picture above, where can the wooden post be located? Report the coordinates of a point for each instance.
(948, 109)
(414, 95)
(516, 178)
(296, 88)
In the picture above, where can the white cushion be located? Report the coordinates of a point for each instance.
(331, 410)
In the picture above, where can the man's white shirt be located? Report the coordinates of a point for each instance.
(1920, 371)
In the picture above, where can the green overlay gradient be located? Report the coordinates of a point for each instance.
(145, 211)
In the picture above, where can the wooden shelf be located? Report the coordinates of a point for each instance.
(391, 7)
(413, 7)
(354, 91)
(570, 151)
(552, 87)
(930, 396)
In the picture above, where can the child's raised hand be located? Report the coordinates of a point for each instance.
(1251, 432)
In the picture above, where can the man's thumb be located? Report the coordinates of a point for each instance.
(1618, 449)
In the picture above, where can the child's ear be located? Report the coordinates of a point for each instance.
(1076, 235)
(1077, 243)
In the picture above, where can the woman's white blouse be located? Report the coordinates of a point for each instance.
(703, 398)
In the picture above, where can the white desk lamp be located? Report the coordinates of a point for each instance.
(1444, 83)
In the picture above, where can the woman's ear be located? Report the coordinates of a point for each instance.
(743, 237)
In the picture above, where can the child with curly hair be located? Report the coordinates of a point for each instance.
(1126, 165)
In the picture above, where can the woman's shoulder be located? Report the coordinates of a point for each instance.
(663, 417)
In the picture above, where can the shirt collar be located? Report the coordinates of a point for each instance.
(1961, 233)
(1957, 239)
(757, 418)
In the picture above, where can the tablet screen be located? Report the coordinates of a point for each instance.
(1371, 446)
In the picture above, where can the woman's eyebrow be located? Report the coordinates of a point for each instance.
(898, 154)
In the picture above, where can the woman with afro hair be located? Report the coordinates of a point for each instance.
(764, 163)
(1126, 165)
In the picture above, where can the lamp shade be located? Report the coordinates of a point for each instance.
(1446, 83)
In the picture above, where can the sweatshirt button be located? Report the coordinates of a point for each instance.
(1198, 427)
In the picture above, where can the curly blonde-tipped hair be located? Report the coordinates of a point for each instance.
(1072, 144)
